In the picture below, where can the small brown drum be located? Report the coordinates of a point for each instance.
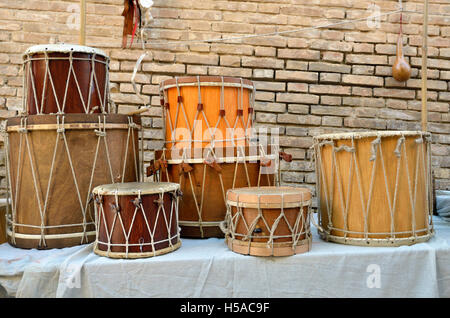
(374, 188)
(268, 221)
(54, 161)
(207, 110)
(204, 179)
(136, 219)
(63, 78)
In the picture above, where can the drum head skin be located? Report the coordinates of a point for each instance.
(269, 196)
(132, 188)
(63, 48)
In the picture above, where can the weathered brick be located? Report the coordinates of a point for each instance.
(299, 54)
(297, 98)
(329, 67)
(362, 80)
(330, 89)
(298, 109)
(262, 62)
(297, 75)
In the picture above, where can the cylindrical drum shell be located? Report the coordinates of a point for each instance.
(374, 188)
(204, 190)
(182, 110)
(54, 162)
(142, 225)
(65, 80)
(285, 220)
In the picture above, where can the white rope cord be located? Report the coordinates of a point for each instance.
(376, 153)
(248, 36)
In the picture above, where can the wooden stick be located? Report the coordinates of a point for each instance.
(139, 111)
(82, 39)
(424, 67)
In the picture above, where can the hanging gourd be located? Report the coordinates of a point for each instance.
(401, 70)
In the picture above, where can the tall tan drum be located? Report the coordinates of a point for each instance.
(53, 164)
(65, 78)
(268, 221)
(374, 188)
(136, 219)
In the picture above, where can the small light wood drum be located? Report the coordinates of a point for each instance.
(53, 162)
(63, 78)
(205, 110)
(374, 188)
(205, 177)
(268, 221)
(136, 219)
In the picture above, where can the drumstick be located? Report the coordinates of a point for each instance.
(82, 39)
(139, 111)
(424, 67)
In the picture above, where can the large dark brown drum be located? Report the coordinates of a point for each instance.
(204, 181)
(136, 219)
(53, 163)
(63, 78)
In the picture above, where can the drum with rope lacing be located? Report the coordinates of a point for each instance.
(210, 148)
(136, 219)
(374, 188)
(53, 163)
(268, 221)
(65, 78)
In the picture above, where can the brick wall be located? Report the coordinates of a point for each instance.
(310, 82)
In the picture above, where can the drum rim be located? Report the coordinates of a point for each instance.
(63, 48)
(246, 195)
(83, 120)
(205, 79)
(110, 189)
(365, 134)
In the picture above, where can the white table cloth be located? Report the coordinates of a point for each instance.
(207, 268)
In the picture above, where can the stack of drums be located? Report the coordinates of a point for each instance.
(209, 149)
(65, 142)
(374, 188)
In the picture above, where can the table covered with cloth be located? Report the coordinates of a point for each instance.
(207, 268)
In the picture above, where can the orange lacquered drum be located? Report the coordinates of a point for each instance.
(374, 188)
(65, 78)
(268, 221)
(203, 110)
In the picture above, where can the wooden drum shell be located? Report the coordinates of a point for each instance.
(353, 187)
(208, 181)
(164, 226)
(46, 179)
(237, 93)
(244, 210)
(47, 79)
